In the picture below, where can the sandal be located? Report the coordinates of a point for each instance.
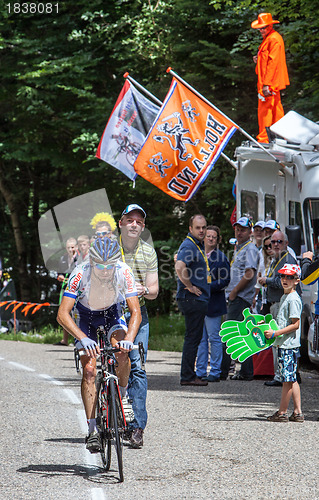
(278, 417)
(296, 417)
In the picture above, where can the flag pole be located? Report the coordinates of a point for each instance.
(169, 70)
(139, 86)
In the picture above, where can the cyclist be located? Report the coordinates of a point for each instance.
(96, 294)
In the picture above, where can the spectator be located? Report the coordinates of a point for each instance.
(220, 271)
(193, 290)
(142, 259)
(103, 224)
(258, 233)
(67, 263)
(287, 343)
(84, 246)
(240, 291)
(272, 74)
(274, 290)
(309, 276)
(270, 227)
(265, 258)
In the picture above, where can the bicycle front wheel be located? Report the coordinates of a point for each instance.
(117, 425)
(101, 413)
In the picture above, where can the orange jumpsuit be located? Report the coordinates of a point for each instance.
(271, 70)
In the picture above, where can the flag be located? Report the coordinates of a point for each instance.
(183, 144)
(126, 129)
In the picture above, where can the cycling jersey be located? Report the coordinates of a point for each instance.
(79, 284)
(111, 317)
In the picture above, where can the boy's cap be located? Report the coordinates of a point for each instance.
(260, 223)
(271, 224)
(244, 222)
(132, 207)
(290, 269)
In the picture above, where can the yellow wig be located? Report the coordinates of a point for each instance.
(103, 217)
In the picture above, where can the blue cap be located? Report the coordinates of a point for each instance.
(132, 207)
(260, 223)
(244, 222)
(271, 224)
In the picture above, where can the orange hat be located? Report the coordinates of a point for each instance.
(264, 19)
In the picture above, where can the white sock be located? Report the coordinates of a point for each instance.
(122, 391)
(92, 425)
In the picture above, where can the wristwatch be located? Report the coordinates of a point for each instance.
(146, 292)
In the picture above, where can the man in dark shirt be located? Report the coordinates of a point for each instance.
(193, 286)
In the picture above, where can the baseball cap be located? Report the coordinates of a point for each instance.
(132, 207)
(244, 222)
(260, 223)
(290, 269)
(271, 224)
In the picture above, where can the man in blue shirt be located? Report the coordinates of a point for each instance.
(193, 287)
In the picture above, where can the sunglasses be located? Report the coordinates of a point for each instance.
(273, 242)
(267, 247)
(104, 266)
(288, 277)
(101, 234)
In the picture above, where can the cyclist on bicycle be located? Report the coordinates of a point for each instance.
(96, 295)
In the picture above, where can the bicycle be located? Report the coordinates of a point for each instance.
(110, 417)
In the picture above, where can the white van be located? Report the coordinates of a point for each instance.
(287, 190)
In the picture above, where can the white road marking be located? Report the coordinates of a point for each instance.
(21, 367)
(50, 379)
(72, 396)
(97, 494)
(88, 457)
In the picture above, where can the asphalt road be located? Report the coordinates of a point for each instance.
(206, 443)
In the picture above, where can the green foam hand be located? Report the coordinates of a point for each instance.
(245, 338)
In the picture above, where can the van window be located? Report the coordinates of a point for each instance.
(249, 205)
(270, 207)
(311, 214)
(295, 213)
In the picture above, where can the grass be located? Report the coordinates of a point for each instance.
(166, 334)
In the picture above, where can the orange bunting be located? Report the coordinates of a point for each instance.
(10, 304)
(19, 304)
(28, 306)
(39, 307)
(26, 309)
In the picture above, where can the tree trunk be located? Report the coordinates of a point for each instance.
(13, 206)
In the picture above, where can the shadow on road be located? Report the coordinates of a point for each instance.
(89, 472)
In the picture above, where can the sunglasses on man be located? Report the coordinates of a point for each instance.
(104, 266)
(273, 242)
(102, 234)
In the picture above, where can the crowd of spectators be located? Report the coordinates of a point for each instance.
(210, 289)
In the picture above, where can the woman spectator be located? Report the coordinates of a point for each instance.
(266, 257)
(220, 275)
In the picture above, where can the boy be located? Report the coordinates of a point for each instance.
(288, 343)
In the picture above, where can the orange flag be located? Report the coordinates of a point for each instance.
(183, 144)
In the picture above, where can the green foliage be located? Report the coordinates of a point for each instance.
(61, 75)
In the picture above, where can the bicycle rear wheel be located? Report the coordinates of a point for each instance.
(117, 425)
(101, 413)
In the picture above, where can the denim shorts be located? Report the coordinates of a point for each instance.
(287, 364)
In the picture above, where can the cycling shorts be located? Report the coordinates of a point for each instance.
(88, 321)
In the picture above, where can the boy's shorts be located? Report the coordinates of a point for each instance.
(287, 364)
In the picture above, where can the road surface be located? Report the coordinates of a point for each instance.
(200, 443)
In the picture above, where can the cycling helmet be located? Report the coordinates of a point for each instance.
(105, 250)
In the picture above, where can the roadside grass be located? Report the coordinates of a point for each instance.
(166, 334)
